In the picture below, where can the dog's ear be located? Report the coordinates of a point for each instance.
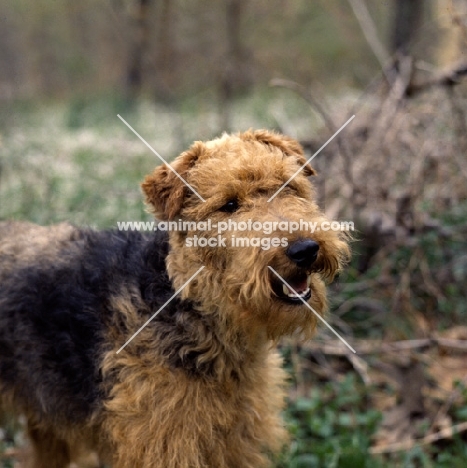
(165, 190)
(287, 145)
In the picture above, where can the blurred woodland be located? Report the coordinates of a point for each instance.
(172, 48)
(188, 70)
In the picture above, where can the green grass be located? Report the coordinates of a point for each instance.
(331, 427)
(77, 161)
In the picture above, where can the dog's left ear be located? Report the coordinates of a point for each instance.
(287, 145)
(164, 190)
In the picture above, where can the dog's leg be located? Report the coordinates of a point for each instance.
(48, 450)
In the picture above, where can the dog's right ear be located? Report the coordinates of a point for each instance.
(164, 190)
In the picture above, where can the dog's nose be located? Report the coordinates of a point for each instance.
(303, 252)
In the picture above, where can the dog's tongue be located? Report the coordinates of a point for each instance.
(299, 285)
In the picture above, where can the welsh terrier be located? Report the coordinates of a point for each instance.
(200, 385)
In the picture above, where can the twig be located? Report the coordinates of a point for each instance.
(449, 77)
(334, 347)
(360, 366)
(391, 105)
(368, 28)
(453, 345)
(443, 410)
(429, 439)
(460, 127)
(403, 289)
(332, 127)
(308, 97)
(430, 284)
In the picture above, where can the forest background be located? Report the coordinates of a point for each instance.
(180, 71)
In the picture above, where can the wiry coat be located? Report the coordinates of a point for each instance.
(201, 385)
(68, 299)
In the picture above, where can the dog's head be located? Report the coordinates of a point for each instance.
(167, 188)
(250, 203)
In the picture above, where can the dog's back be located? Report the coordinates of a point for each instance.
(24, 243)
(55, 283)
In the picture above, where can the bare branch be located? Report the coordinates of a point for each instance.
(310, 99)
(446, 433)
(449, 77)
(334, 347)
(368, 28)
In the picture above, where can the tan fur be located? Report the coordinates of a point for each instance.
(196, 424)
(155, 415)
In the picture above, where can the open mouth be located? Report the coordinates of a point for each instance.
(300, 283)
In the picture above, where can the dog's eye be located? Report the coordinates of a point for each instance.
(230, 207)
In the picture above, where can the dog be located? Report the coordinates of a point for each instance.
(200, 384)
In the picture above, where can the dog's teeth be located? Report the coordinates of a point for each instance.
(292, 294)
(302, 294)
(308, 280)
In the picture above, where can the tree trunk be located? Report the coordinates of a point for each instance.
(236, 74)
(135, 71)
(166, 58)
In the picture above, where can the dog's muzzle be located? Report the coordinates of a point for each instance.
(303, 253)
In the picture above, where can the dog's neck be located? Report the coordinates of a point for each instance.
(206, 338)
